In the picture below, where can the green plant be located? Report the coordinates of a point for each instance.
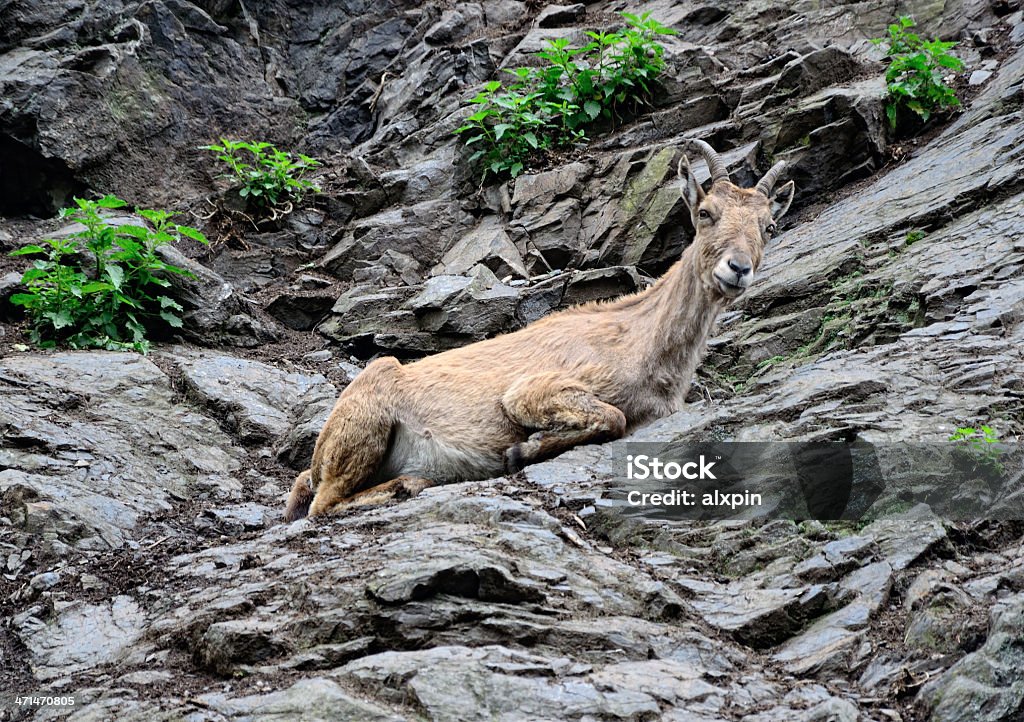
(984, 443)
(551, 105)
(914, 236)
(914, 77)
(769, 362)
(507, 126)
(978, 437)
(268, 176)
(99, 287)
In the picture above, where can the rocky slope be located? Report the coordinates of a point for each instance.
(144, 568)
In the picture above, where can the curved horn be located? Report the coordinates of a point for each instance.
(715, 164)
(766, 183)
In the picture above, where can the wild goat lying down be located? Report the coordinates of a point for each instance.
(584, 375)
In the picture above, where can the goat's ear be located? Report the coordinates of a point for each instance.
(781, 199)
(690, 189)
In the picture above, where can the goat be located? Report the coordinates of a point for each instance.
(587, 374)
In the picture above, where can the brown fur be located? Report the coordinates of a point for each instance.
(584, 375)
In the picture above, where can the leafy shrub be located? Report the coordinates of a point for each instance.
(914, 236)
(915, 74)
(509, 126)
(99, 287)
(268, 176)
(550, 105)
(984, 445)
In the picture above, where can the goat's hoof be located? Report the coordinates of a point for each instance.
(408, 488)
(514, 459)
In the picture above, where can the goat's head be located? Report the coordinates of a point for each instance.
(732, 224)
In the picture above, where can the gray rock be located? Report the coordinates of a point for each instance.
(245, 517)
(978, 77)
(444, 681)
(984, 685)
(818, 69)
(295, 447)
(301, 312)
(9, 284)
(834, 710)
(545, 187)
(89, 479)
(555, 15)
(422, 231)
(81, 636)
(257, 401)
(225, 644)
(488, 244)
(213, 309)
(942, 623)
(315, 699)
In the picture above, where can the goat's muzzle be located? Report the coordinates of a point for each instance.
(733, 274)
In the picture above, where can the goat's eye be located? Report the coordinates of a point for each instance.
(703, 214)
(770, 230)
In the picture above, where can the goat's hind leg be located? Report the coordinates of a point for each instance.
(354, 441)
(562, 413)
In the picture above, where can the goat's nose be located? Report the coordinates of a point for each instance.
(741, 267)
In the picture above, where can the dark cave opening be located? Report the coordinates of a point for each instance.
(31, 185)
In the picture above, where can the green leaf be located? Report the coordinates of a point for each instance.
(60, 319)
(28, 250)
(890, 112)
(516, 169)
(23, 299)
(96, 286)
(167, 302)
(134, 231)
(192, 233)
(34, 273)
(171, 319)
(115, 274)
(110, 201)
(531, 139)
(592, 108)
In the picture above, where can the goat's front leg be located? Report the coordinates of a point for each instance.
(401, 487)
(561, 412)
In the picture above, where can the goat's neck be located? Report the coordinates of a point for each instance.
(678, 313)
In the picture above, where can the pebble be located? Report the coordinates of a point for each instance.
(979, 76)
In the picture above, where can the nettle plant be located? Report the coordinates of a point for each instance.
(553, 104)
(984, 444)
(101, 287)
(266, 176)
(915, 76)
